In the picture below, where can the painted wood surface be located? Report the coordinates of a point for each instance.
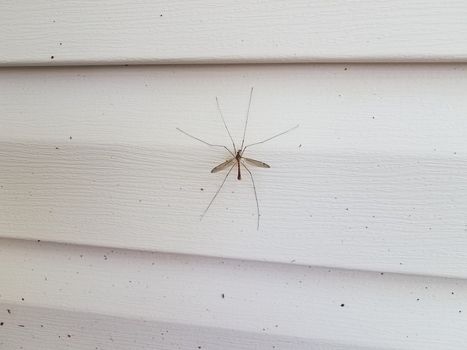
(79, 297)
(52, 32)
(374, 178)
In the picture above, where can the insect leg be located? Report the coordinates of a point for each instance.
(215, 195)
(225, 125)
(246, 121)
(256, 196)
(270, 138)
(206, 143)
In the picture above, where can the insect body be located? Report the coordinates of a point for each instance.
(237, 158)
(238, 161)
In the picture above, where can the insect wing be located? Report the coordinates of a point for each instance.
(256, 163)
(222, 166)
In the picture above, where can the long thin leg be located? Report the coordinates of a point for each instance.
(206, 143)
(246, 121)
(218, 190)
(270, 138)
(225, 125)
(256, 196)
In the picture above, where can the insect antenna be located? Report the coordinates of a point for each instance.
(225, 125)
(206, 143)
(246, 121)
(256, 196)
(270, 138)
(217, 192)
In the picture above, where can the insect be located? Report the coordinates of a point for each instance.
(237, 159)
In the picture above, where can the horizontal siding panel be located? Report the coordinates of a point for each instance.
(373, 179)
(52, 32)
(123, 299)
(54, 329)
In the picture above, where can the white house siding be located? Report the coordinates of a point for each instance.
(363, 235)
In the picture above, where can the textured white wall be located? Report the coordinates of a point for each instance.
(124, 31)
(362, 243)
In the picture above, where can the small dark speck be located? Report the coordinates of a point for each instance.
(105, 257)
(69, 335)
(52, 57)
(300, 146)
(418, 299)
(460, 311)
(57, 148)
(345, 68)
(382, 273)
(223, 296)
(42, 326)
(342, 305)
(161, 16)
(71, 138)
(22, 299)
(452, 293)
(401, 263)
(201, 189)
(199, 347)
(21, 325)
(1, 323)
(8, 310)
(38, 241)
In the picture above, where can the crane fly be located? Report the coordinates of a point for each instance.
(237, 159)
